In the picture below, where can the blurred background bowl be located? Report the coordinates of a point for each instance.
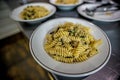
(66, 6)
(15, 14)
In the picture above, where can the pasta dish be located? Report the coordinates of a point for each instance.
(71, 43)
(33, 12)
(66, 1)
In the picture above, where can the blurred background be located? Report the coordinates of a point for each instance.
(16, 62)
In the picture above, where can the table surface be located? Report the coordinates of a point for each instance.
(112, 69)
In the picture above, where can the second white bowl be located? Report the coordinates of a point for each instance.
(66, 6)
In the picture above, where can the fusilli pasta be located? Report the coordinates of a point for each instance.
(71, 43)
(33, 12)
(66, 1)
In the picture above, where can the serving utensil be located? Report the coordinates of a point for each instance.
(102, 8)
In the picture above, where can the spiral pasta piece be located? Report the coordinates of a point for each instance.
(81, 58)
(63, 59)
(60, 34)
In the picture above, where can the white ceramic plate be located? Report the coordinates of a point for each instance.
(15, 15)
(81, 69)
(100, 16)
(66, 6)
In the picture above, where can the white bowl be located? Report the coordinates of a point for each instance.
(66, 6)
(15, 14)
(80, 69)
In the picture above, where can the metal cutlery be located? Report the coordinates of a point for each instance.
(102, 8)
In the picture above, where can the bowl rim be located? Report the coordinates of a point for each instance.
(67, 5)
(71, 74)
(32, 20)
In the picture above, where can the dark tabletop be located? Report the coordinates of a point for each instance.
(112, 69)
